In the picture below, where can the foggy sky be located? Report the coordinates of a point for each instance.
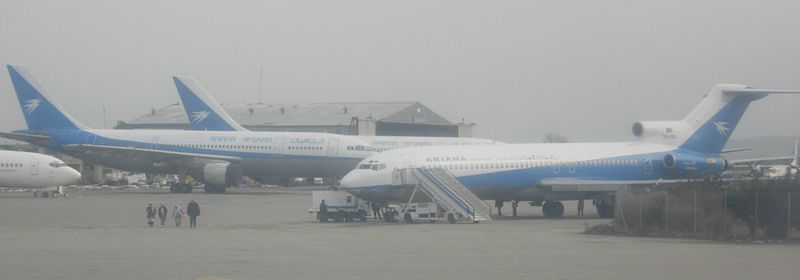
(519, 69)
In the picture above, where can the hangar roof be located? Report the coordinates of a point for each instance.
(298, 114)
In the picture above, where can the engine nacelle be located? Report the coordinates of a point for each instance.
(660, 131)
(681, 163)
(220, 174)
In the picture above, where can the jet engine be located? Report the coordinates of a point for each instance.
(663, 130)
(219, 175)
(689, 163)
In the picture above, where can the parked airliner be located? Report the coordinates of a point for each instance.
(217, 159)
(668, 150)
(205, 113)
(35, 171)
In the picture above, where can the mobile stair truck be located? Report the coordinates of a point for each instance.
(342, 206)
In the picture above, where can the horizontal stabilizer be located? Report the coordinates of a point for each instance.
(759, 91)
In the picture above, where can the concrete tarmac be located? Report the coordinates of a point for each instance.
(267, 234)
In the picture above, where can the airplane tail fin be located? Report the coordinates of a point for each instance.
(41, 111)
(203, 111)
(709, 126)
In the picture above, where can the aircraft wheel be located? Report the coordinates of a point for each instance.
(451, 219)
(553, 209)
(44, 194)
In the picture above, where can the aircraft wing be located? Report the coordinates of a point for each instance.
(753, 160)
(150, 154)
(26, 137)
(591, 185)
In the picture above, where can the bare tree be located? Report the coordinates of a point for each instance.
(551, 137)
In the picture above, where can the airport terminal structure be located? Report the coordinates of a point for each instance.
(348, 118)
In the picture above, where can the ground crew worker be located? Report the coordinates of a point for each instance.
(580, 207)
(376, 211)
(162, 213)
(193, 210)
(151, 214)
(499, 205)
(323, 212)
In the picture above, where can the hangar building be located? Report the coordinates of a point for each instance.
(354, 118)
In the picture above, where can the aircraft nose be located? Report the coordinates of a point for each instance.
(350, 180)
(74, 176)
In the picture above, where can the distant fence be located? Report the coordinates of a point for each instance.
(758, 209)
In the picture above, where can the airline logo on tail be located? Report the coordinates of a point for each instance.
(31, 105)
(722, 128)
(199, 116)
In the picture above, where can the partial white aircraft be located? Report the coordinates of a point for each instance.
(35, 171)
(548, 173)
(771, 170)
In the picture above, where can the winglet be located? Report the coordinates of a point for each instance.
(203, 111)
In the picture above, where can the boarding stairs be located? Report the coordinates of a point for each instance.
(447, 192)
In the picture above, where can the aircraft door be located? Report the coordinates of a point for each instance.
(648, 165)
(408, 161)
(154, 144)
(333, 148)
(35, 167)
(277, 147)
(90, 139)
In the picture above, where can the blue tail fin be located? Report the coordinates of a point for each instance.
(203, 111)
(711, 123)
(40, 110)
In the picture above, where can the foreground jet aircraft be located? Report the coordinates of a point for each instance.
(216, 159)
(35, 171)
(205, 113)
(547, 173)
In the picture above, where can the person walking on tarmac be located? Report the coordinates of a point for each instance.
(580, 207)
(323, 212)
(177, 214)
(193, 210)
(162, 214)
(151, 214)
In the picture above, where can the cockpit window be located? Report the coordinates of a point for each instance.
(57, 164)
(372, 166)
(377, 167)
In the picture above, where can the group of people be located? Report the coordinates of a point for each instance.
(192, 210)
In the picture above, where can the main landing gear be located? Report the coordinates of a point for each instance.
(553, 209)
(180, 188)
(214, 189)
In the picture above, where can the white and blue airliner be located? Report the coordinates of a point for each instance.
(548, 173)
(218, 159)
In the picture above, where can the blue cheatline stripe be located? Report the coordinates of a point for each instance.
(63, 137)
